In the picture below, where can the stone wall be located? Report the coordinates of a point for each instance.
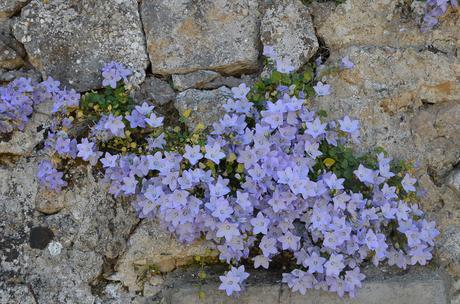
(83, 246)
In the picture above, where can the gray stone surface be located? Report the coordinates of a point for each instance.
(231, 81)
(47, 202)
(426, 287)
(194, 80)
(407, 100)
(209, 80)
(453, 180)
(405, 89)
(7, 76)
(151, 247)
(206, 106)
(185, 36)
(288, 27)
(386, 23)
(91, 229)
(11, 7)
(16, 293)
(9, 59)
(154, 90)
(449, 249)
(72, 40)
(11, 51)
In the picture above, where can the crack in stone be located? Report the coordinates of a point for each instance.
(32, 292)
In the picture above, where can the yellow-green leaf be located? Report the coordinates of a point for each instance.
(328, 162)
(187, 113)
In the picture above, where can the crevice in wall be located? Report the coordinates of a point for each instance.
(10, 40)
(101, 281)
(323, 51)
(18, 10)
(148, 69)
(433, 49)
(32, 292)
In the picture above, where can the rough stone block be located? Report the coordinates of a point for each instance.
(72, 40)
(185, 36)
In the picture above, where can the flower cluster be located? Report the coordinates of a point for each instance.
(434, 9)
(114, 72)
(270, 178)
(19, 97)
(49, 176)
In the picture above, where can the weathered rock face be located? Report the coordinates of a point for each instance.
(156, 91)
(392, 92)
(449, 251)
(10, 7)
(65, 248)
(383, 23)
(7, 76)
(72, 40)
(9, 59)
(453, 180)
(194, 80)
(206, 106)
(288, 27)
(152, 248)
(92, 227)
(11, 52)
(16, 294)
(209, 80)
(185, 36)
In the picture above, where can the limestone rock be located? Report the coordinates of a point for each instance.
(456, 299)
(10, 293)
(11, 51)
(156, 91)
(206, 106)
(72, 40)
(385, 23)
(48, 202)
(151, 245)
(116, 294)
(438, 139)
(92, 227)
(7, 76)
(415, 287)
(453, 180)
(440, 202)
(9, 59)
(288, 27)
(10, 7)
(231, 81)
(392, 91)
(449, 251)
(185, 36)
(194, 80)
(210, 80)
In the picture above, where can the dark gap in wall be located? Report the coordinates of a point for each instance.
(323, 51)
(432, 49)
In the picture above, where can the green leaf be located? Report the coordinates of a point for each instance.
(307, 76)
(322, 113)
(276, 77)
(329, 162)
